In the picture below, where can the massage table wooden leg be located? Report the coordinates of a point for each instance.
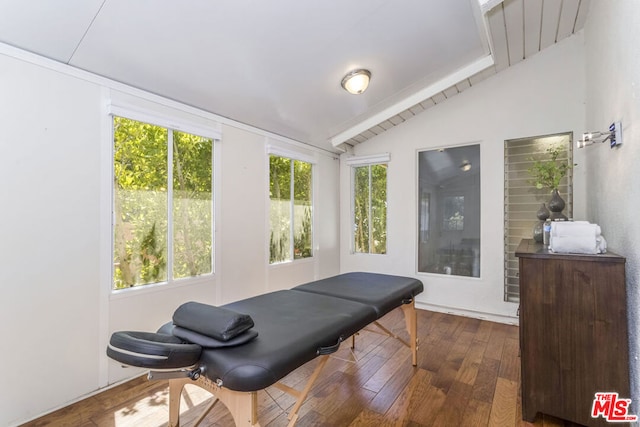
(411, 320)
(175, 393)
(243, 406)
(301, 396)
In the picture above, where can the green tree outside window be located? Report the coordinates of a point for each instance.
(142, 191)
(290, 209)
(370, 209)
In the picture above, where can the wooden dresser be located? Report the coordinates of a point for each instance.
(573, 332)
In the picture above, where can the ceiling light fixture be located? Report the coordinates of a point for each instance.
(465, 166)
(356, 81)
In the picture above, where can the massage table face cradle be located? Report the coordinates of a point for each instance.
(292, 327)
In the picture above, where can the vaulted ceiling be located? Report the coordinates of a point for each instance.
(277, 65)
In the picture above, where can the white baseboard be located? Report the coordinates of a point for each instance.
(500, 318)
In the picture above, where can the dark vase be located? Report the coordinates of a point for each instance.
(556, 205)
(543, 213)
(538, 232)
(538, 228)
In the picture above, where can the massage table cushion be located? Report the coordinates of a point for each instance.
(381, 291)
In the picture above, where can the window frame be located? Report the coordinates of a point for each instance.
(436, 217)
(367, 161)
(172, 124)
(274, 150)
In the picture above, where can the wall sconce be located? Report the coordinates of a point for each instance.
(356, 81)
(613, 135)
(465, 166)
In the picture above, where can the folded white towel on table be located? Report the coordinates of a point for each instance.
(602, 244)
(579, 237)
(574, 228)
(574, 244)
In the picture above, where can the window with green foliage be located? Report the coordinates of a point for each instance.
(370, 209)
(163, 205)
(291, 209)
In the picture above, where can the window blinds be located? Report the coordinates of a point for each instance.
(522, 200)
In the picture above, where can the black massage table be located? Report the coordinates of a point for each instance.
(235, 350)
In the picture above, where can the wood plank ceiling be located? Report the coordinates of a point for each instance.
(517, 30)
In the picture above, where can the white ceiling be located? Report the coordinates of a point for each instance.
(277, 65)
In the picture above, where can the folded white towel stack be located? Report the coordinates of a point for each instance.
(578, 237)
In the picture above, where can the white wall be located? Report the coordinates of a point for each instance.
(57, 309)
(612, 66)
(48, 238)
(539, 96)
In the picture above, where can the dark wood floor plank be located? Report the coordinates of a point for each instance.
(426, 405)
(484, 331)
(393, 387)
(398, 412)
(468, 371)
(433, 352)
(496, 343)
(368, 418)
(454, 406)
(388, 370)
(510, 363)
(503, 408)
(485, 384)
(476, 414)
(363, 370)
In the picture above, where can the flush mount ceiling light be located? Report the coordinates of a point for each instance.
(356, 81)
(465, 166)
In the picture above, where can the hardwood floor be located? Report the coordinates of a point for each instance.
(468, 374)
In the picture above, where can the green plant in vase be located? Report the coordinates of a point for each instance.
(547, 174)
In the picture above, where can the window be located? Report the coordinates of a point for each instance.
(370, 209)
(449, 211)
(522, 199)
(453, 217)
(163, 205)
(290, 209)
